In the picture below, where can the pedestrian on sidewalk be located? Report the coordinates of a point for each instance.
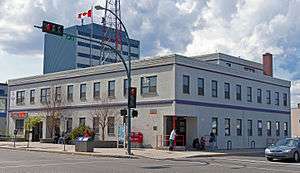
(212, 140)
(172, 139)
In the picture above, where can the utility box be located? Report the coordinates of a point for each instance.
(84, 144)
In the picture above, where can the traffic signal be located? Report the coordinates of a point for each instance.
(53, 28)
(123, 112)
(132, 97)
(134, 113)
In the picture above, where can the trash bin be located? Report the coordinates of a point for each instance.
(84, 144)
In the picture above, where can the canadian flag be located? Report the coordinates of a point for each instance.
(85, 14)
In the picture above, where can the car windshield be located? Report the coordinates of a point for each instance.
(287, 143)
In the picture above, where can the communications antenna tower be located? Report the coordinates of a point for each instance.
(112, 30)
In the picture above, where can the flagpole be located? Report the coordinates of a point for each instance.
(91, 36)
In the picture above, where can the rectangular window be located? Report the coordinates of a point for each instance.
(96, 124)
(69, 124)
(58, 93)
(96, 94)
(285, 129)
(269, 128)
(214, 125)
(239, 127)
(238, 92)
(227, 90)
(83, 92)
(82, 121)
(277, 98)
(70, 93)
(268, 97)
(149, 85)
(186, 84)
(249, 94)
(250, 128)
(277, 128)
(227, 126)
(285, 99)
(19, 125)
(200, 86)
(214, 88)
(111, 88)
(2, 105)
(32, 96)
(259, 96)
(125, 87)
(45, 95)
(111, 125)
(20, 97)
(259, 128)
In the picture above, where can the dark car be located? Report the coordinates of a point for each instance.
(288, 148)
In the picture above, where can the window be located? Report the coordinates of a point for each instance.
(228, 64)
(227, 126)
(269, 128)
(148, 85)
(277, 128)
(227, 90)
(125, 87)
(239, 127)
(69, 124)
(20, 97)
(96, 124)
(186, 84)
(214, 88)
(45, 95)
(111, 125)
(214, 126)
(249, 94)
(111, 88)
(83, 92)
(259, 98)
(96, 90)
(238, 92)
(58, 93)
(259, 128)
(70, 93)
(200, 86)
(277, 98)
(19, 125)
(268, 97)
(32, 96)
(284, 99)
(82, 121)
(285, 129)
(250, 128)
(2, 92)
(2, 105)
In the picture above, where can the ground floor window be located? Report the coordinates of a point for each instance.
(96, 124)
(20, 126)
(277, 128)
(81, 121)
(269, 132)
(111, 125)
(259, 127)
(69, 124)
(214, 126)
(285, 128)
(227, 126)
(250, 129)
(239, 127)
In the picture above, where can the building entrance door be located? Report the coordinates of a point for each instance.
(37, 132)
(179, 123)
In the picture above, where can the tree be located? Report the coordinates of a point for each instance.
(31, 122)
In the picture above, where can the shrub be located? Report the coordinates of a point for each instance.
(79, 131)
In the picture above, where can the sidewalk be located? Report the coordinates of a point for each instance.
(114, 152)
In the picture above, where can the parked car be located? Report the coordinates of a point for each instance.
(288, 148)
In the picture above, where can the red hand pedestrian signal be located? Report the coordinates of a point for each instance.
(132, 97)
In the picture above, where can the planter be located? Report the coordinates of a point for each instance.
(84, 146)
(47, 140)
(105, 144)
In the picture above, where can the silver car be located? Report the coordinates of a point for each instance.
(288, 148)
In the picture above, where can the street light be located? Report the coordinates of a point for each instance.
(99, 7)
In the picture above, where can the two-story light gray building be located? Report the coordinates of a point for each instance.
(236, 99)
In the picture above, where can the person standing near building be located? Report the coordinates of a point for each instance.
(172, 139)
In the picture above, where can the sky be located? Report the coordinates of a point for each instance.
(245, 28)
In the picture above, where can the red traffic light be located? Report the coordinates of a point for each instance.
(133, 91)
(53, 28)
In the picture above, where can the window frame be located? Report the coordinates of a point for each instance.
(70, 93)
(276, 98)
(110, 130)
(214, 88)
(259, 129)
(250, 127)
(186, 86)
(149, 85)
(227, 90)
(277, 126)
(44, 99)
(200, 86)
(214, 129)
(269, 128)
(32, 96)
(285, 99)
(259, 95)
(20, 100)
(96, 93)
(238, 89)
(249, 94)
(239, 127)
(227, 127)
(268, 98)
(111, 89)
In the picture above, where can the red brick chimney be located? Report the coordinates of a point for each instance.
(268, 64)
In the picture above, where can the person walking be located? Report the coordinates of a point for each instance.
(172, 139)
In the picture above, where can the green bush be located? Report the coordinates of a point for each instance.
(78, 131)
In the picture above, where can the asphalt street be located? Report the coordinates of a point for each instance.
(40, 162)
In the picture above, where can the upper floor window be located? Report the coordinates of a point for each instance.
(269, 128)
(125, 87)
(249, 69)
(259, 128)
(201, 86)
(249, 94)
(111, 88)
(32, 96)
(96, 93)
(259, 96)
(227, 90)
(284, 99)
(227, 126)
(20, 97)
(214, 125)
(268, 97)
(238, 92)
(250, 128)
(82, 121)
(186, 84)
(70, 93)
(239, 127)
(58, 93)
(149, 85)
(2, 92)
(45, 95)
(277, 98)
(214, 88)
(83, 92)
(277, 124)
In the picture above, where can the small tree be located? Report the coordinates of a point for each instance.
(31, 122)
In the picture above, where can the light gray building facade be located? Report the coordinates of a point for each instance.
(234, 98)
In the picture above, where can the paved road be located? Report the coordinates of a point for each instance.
(22, 161)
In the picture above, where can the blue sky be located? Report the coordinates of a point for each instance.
(245, 28)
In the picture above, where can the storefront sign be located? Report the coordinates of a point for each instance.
(18, 115)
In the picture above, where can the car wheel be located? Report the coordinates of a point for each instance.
(269, 159)
(296, 157)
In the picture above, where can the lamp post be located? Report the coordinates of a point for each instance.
(98, 7)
